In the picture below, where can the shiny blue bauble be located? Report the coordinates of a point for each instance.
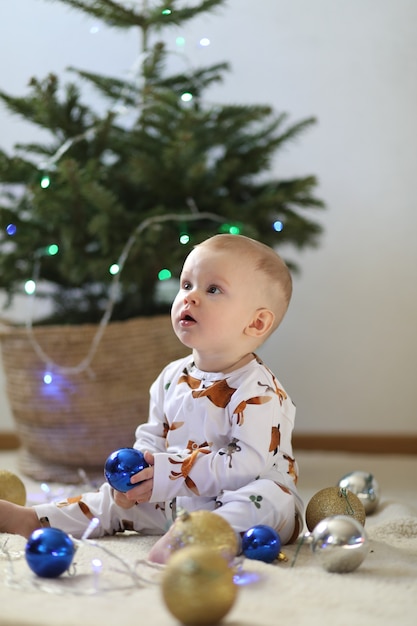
(49, 552)
(121, 465)
(261, 543)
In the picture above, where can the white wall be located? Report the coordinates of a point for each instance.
(347, 350)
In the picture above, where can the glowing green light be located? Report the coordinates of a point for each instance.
(232, 229)
(30, 287)
(187, 96)
(166, 12)
(180, 41)
(164, 274)
(45, 181)
(114, 269)
(52, 250)
(184, 238)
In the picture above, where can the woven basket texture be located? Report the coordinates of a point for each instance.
(75, 422)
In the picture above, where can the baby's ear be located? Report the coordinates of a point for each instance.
(261, 323)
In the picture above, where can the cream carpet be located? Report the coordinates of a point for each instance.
(125, 590)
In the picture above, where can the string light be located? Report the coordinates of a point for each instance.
(30, 287)
(103, 576)
(164, 274)
(47, 378)
(45, 181)
(85, 363)
(52, 250)
(134, 75)
(184, 238)
(278, 226)
(232, 229)
(11, 229)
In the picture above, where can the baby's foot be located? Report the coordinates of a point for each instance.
(17, 520)
(161, 550)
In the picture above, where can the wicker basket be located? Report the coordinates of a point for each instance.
(79, 419)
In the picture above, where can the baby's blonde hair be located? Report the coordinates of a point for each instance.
(262, 259)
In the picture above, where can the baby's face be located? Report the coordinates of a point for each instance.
(216, 301)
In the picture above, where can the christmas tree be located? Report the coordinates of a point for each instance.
(104, 210)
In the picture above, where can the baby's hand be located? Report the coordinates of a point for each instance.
(121, 500)
(143, 491)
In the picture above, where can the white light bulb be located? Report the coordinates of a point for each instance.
(30, 287)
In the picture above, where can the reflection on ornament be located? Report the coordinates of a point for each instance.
(121, 465)
(364, 485)
(12, 488)
(339, 543)
(333, 501)
(261, 543)
(49, 552)
(204, 528)
(197, 586)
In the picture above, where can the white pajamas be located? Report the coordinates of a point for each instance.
(221, 442)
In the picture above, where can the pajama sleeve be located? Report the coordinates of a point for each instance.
(152, 434)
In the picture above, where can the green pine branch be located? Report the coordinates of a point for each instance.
(101, 176)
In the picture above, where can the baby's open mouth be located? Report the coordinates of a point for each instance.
(187, 318)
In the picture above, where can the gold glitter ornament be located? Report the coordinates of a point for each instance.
(204, 528)
(333, 501)
(197, 586)
(11, 488)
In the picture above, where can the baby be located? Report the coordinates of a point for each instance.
(218, 436)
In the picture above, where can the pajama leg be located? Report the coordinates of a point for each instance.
(74, 515)
(260, 502)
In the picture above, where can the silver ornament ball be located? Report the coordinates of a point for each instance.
(363, 485)
(339, 543)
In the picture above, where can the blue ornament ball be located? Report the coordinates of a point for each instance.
(261, 543)
(121, 465)
(49, 552)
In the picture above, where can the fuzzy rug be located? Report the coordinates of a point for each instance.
(125, 589)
